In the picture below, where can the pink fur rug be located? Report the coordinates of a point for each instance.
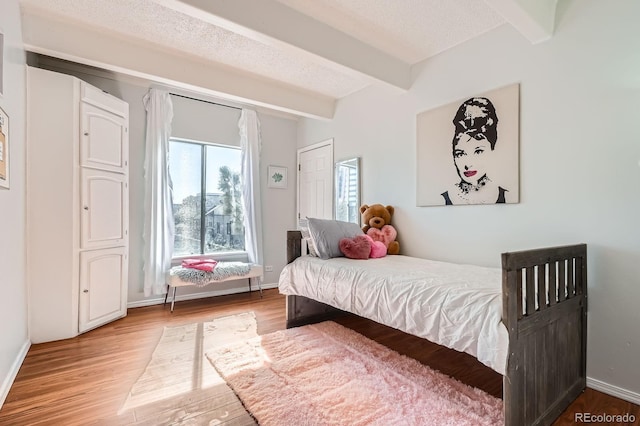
(326, 374)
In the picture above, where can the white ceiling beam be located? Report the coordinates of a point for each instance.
(66, 40)
(534, 19)
(275, 24)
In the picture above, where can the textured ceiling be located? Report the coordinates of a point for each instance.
(151, 22)
(411, 30)
(367, 41)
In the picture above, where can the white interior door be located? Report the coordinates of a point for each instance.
(315, 180)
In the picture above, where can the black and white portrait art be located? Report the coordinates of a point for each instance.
(467, 151)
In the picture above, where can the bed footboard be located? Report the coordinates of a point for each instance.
(545, 312)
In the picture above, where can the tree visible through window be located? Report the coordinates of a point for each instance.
(207, 192)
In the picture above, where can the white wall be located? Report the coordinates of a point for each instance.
(14, 337)
(579, 162)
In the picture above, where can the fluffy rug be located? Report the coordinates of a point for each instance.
(326, 374)
(180, 386)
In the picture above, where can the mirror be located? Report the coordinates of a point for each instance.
(347, 190)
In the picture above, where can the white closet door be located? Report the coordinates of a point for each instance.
(103, 278)
(104, 139)
(315, 181)
(104, 204)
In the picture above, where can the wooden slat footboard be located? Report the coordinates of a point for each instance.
(545, 312)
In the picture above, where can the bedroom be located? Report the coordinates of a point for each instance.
(578, 175)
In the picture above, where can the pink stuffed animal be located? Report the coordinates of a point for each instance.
(378, 249)
(362, 247)
(358, 247)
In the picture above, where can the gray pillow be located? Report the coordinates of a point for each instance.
(326, 235)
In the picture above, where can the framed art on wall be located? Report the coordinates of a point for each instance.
(468, 151)
(4, 149)
(277, 177)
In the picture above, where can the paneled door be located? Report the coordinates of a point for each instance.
(104, 202)
(104, 137)
(315, 181)
(100, 300)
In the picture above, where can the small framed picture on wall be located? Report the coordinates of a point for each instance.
(277, 177)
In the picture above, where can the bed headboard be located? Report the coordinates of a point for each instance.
(294, 245)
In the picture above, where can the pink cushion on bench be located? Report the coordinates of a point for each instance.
(200, 264)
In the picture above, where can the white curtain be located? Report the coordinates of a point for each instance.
(159, 228)
(251, 145)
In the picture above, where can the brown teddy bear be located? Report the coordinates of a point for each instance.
(377, 224)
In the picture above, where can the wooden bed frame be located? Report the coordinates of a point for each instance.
(544, 307)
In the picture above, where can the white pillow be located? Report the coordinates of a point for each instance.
(326, 235)
(303, 224)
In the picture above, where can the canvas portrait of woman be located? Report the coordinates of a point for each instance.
(467, 151)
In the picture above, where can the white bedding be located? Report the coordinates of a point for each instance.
(458, 306)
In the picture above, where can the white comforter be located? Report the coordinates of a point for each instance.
(458, 306)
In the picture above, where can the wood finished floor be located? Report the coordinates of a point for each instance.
(85, 380)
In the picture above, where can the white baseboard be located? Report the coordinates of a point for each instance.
(160, 300)
(612, 390)
(13, 372)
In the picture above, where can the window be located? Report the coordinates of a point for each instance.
(347, 190)
(207, 198)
